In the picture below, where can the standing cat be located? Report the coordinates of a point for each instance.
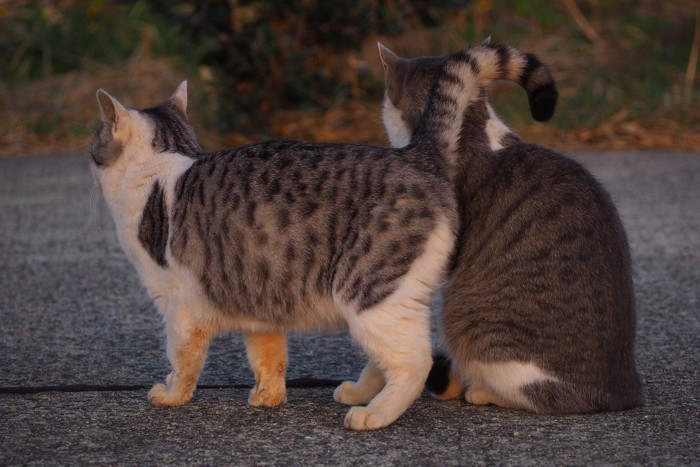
(286, 236)
(539, 311)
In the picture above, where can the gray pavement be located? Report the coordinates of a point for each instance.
(80, 343)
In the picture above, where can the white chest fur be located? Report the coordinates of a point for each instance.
(126, 188)
(396, 127)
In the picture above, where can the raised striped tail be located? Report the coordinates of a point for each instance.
(461, 81)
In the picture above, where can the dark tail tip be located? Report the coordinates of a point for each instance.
(543, 102)
(439, 376)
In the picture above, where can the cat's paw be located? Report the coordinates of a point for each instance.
(160, 396)
(477, 396)
(365, 418)
(267, 396)
(349, 393)
(483, 396)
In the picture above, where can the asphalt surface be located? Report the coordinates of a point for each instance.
(80, 343)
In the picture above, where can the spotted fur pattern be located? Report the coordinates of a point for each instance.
(539, 307)
(286, 236)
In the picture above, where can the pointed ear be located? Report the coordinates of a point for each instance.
(111, 109)
(179, 97)
(388, 57)
(486, 41)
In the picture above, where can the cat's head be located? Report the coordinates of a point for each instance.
(407, 85)
(130, 136)
(409, 82)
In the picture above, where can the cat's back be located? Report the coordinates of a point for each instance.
(302, 181)
(544, 275)
(298, 162)
(525, 196)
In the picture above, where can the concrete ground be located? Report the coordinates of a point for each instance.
(80, 344)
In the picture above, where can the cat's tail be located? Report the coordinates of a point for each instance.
(528, 71)
(464, 76)
(441, 382)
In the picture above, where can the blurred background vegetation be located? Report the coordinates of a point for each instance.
(308, 69)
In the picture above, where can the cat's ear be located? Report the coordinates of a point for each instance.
(486, 41)
(179, 97)
(112, 110)
(388, 57)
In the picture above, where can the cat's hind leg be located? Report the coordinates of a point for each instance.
(368, 385)
(501, 383)
(187, 350)
(267, 355)
(398, 342)
(395, 334)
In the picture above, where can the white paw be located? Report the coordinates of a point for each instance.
(364, 418)
(348, 393)
(479, 396)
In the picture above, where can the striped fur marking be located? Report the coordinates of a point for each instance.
(154, 225)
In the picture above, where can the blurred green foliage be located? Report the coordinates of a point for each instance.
(40, 39)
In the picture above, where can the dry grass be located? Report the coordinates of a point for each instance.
(58, 114)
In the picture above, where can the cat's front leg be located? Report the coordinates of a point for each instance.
(187, 351)
(267, 355)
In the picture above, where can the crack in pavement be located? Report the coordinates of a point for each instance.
(295, 383)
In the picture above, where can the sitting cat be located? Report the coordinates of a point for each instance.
(287, 236)
(539, 311)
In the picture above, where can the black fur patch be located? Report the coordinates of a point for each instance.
(439, 376)
(543, 101)
(542, 96)
(154, 225)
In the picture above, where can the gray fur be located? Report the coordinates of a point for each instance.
(509, 139)
(542, 271)
(172, 132)
(103, 149)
